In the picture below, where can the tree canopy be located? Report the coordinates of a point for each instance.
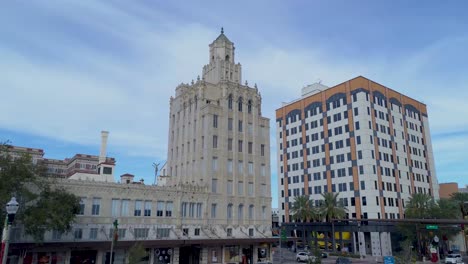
(43, 205)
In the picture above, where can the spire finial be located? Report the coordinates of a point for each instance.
(222, 30)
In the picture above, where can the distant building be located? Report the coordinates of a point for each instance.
(447, 189)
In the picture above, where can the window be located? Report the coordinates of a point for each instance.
(357, 125)
(249, 147)
(138, 205)
(263, 189)
(229, 211)
(169, 208)
(215, 141)
(78, 233)
(196, 232)
(213, 210)
(251, 232)
(229, 187)
(358, 140)
(230, 101)
(239, 106)
(240, 212)
(124, 208)
(240, 167)
(239, 147)
(93, 233)
(214, 183)
(251, 168)
(82, 206)
(115, 207)
(215, 121)
(230, 124)
(161, 232)
(185, 231)
(214, 164)
(199, 210)
(229, 232)
(96, 206)
(240, 188)
(250, 189)
(56, 235)
(148, 205)
(229, 144)
(251, 212)
(240, 126)
(363, 185)
(263, 170)
(364, 201)
(262, 150)
(229, 166)
(159, 209)
(263, 212)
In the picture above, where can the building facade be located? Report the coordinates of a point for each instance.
(360, 139)
(212, 203)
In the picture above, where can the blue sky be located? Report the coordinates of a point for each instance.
(69, 69)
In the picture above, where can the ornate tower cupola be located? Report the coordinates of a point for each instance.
(222, 64)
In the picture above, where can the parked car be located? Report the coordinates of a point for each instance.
(453, 258)
(304, 257)
(342, 260)
(324, 254)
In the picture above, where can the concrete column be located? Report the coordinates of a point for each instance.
(175, 254)
(204, 255)
(68, 256)
(151, 257)
(362, 243)
(99, 257)
(353, 241)
(376, 244)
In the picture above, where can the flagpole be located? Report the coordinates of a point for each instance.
(114, 239)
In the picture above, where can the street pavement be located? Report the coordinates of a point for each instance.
(286, 256)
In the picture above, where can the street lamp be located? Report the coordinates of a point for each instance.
(11, 209)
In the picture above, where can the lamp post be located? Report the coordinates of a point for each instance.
(11, 209)
(114, 240)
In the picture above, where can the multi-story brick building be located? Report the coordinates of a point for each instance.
(359, 138)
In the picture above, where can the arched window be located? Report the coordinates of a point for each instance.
(249, 106)
(240, 104)
(229, 211)
(240, 212)
(251, 212)
(230, 102)
(227, 58)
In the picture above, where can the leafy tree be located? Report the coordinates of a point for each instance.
(137, 254)
(302, 210)
(43, 205)
(420, 205)
(331, 208)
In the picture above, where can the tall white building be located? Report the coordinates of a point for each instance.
(213, 202)
(367, 142)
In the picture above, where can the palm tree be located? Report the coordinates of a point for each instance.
(302, 210)
(331, 208)
(462, 201)
(420, 205)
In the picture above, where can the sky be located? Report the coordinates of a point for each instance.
(69, 69)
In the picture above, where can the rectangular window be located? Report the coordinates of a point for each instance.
(239, 147)
(148, 205)
(169, 208)
(160, 232)
(229, 166)
(214, 164)
(240, 188)
(251, 168)
(78, 233)
(199, 210)
(262, 150)
(124, 209)
(229, 187)
(96, 206)
(250, 147)
(138, 207)
(160, 208)
(213, 210)
(230, 124)
(240, 126)
(215, 141)
(196, 232)
(214, 183)
(250, 190)
(240, 167)
(363, 185)
(93, 232)
(82, 206)
(115, 207)
(215, 120)
(229, 144)
(263, 170)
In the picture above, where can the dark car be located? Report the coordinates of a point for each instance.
(342, 260)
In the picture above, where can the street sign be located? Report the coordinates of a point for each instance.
(389, 260)
(432, 227)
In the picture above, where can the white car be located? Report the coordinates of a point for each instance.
(304, 257)
(454, 258)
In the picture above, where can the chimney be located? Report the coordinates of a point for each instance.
(103, 154)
